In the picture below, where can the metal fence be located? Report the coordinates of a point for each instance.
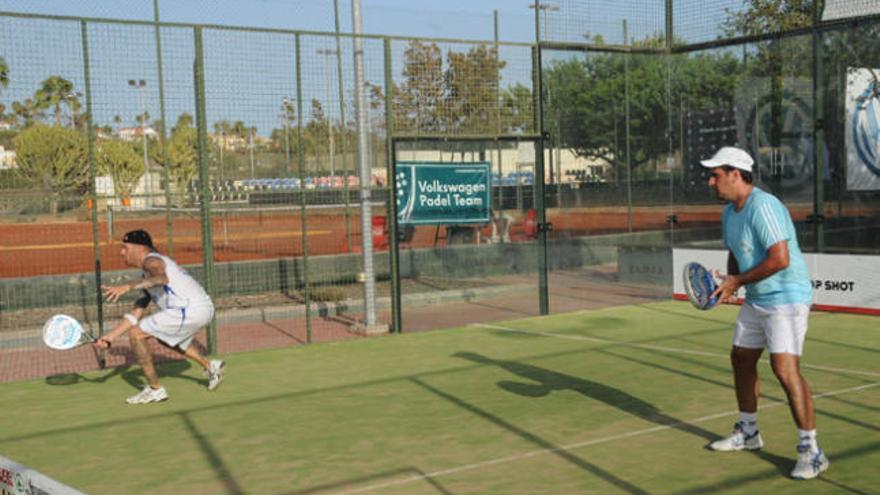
(238, 149)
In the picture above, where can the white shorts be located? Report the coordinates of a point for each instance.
(781, 329)
(176, 327)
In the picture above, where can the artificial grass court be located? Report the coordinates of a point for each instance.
(619, 400)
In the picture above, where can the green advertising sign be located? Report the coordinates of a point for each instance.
(431, 193)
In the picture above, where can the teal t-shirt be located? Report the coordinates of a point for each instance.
(750, 232)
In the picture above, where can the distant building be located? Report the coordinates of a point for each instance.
(136, 133)
(7, 159)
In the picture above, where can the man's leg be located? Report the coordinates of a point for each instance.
(189, 353)
(138, 340)
(800, 400)
(745, 377)
(745, 434)
(153, 392)
(196, 356)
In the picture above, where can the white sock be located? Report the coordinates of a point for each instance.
(749, 422)
(808, 437)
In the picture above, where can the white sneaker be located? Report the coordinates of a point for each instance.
(809, 463)
(738, 440)
(147, 395)
(215, 373)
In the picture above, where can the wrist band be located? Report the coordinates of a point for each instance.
(131, 319)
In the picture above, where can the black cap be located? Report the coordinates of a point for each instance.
(139, 236)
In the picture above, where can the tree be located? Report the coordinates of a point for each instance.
(517, 109)
(460, 96)
(119, 160)
(588, 98)
(54, 92)
(768, 16)
(26, 112)
(52, 158)
(142, 119)
(418, 101)
(4, 73)
(183, 120)
(471, 98)
(179, 154)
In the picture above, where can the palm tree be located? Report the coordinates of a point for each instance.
(142, 119)
(54, 92)
(4, 73)
(27, 111)
(223, 128)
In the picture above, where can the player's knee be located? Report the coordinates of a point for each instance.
(136, 334)
(786, 372)
(743, 358)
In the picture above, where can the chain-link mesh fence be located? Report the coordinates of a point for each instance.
(268, 212)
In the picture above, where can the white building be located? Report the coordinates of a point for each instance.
(7, 158)
(136, 133)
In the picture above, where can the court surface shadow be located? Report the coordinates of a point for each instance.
(542, 381)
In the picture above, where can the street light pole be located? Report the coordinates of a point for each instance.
(364, 170)
(251, 135)
(73, 97)
(285, 103)
(141, 84)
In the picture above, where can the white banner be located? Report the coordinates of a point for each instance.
(843, 9)
(841, 282)
(862, 129)
(16, 479)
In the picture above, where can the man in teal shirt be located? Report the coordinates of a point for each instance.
(765, 258)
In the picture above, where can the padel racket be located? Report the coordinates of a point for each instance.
(62, 332)
(699, 285)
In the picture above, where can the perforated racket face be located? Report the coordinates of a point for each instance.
(700, 285)
(62, 332)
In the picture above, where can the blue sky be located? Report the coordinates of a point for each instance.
(248, 74)
(471, 19)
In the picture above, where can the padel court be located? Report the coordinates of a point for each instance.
(616, 400)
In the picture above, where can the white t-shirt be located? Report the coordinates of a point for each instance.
(181, 292)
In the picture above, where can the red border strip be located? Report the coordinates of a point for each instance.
(818, 307)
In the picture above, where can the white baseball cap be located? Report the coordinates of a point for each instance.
(729, 155)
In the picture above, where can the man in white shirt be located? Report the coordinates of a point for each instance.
(184, 306)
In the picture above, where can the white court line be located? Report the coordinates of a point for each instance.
(661, 348)
(585, 443)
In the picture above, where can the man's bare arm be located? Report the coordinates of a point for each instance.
(156, 277)
(777, 259)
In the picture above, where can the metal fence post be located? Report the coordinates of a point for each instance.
(543, 289)
(394, 248)
(205, 203)
(93, 190)
(818, 131)
(301, 158)
(163, 140)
